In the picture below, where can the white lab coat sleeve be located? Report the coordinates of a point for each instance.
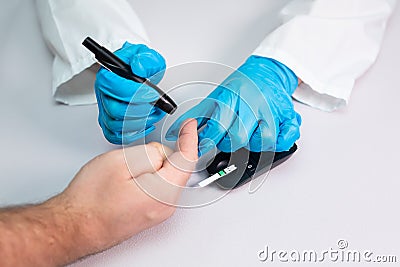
(66, 23)
(328, 44)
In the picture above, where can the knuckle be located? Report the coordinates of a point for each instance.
(115, 126)
(112, 138)
(156, 150)
(115, 109)
(104, 79)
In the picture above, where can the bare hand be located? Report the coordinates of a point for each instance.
(107, 203)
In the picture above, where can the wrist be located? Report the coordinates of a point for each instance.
(48, 233)
(65, 229)
(78, 225)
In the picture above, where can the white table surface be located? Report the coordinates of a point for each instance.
(343, 182)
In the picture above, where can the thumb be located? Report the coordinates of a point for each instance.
(178, 167)
(188, 138)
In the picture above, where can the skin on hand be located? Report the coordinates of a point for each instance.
(105, 195)
(102, 206)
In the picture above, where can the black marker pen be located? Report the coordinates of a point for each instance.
(114, 64)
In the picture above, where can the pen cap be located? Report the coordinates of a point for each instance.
(90, 44)
(110, 61)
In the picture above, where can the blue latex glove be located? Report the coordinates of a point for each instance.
(115, 94)
(252, 108)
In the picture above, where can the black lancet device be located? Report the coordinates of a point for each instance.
(114, 64)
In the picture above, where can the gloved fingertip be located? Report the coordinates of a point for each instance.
(286, 140)
(126, 44)
(171, 138)
(203, 151)
(149, 130)
(299, 119)
(289, 133)
(283, 146)
(205, 145)
(254, 147)
(128, 138)
(173, 131)
(224, 149)
(112, 138)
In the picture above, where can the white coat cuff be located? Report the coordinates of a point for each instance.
(73, 82)
(66, 23)
(312, 91)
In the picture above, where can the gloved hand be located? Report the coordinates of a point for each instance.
(115, 94)
(252, 108)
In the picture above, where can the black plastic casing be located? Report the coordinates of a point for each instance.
(248, 164)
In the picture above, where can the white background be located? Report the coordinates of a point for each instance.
(342, 183)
